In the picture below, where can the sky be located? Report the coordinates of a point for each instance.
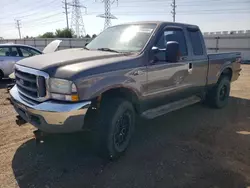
(40, 16)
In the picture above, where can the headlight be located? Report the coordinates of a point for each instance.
(63, 89)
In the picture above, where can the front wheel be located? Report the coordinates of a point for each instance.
(218, 97)
(114, 127)
(1, 75)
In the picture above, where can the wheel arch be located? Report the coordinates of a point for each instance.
(122, 92)
(226, 72)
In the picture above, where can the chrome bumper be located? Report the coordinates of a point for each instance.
(51, 116)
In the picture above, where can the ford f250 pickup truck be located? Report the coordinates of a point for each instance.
(144, 68)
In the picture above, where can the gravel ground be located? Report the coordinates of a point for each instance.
(193, 147)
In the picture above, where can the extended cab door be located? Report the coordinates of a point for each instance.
(199, 66)
(168, 81)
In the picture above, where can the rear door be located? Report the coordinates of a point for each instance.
(168, 82)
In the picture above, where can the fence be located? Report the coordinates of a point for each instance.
(229, 41)
(40, 43)
(215, 41)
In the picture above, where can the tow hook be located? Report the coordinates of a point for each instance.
(20, 121)
(10, 86)
(39, 136)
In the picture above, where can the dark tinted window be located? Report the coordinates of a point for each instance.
(196, 42)
(172, 35)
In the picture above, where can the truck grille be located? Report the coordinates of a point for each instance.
(31, 83)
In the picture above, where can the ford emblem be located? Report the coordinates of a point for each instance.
(21, 81)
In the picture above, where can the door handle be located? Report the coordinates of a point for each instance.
(183, 58)
(190, 68)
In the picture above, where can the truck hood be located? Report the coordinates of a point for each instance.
(66, 57)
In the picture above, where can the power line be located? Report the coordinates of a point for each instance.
(46, 4)
(37, 19)
(156, 12)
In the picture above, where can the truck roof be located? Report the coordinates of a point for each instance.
(14, 44)
(162, 22)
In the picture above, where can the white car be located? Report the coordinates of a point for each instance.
(11, 53)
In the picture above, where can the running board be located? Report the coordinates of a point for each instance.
(161, 110)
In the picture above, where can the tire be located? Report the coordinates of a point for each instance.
(114, 128)
(1, 75)
(218, 97)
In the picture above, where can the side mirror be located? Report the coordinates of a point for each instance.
(172, 51)
(157, 50)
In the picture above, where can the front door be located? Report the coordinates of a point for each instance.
(168, 81)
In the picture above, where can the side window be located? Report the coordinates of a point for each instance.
(172, 35)
(27, 52)
(196, 42)
(4, 51)
(14, 52)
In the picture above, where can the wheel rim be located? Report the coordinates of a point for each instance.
(223, 93)
(122, 129)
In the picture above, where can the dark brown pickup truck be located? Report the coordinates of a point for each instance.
(144, 68)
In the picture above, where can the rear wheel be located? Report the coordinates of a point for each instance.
(114, 128)
(218, 97)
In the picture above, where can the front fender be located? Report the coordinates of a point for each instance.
(93, 87)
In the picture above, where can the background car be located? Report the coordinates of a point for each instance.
(11, 53)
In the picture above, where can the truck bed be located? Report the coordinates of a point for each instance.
(218, 61)
(225, 55)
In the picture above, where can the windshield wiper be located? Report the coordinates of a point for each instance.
(107, 50)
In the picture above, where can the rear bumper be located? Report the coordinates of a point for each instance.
(51, 116)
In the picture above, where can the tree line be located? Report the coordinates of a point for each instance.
(62, 33)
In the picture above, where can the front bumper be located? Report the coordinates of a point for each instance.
(51, 116)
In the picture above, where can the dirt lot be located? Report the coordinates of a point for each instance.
(193, 147)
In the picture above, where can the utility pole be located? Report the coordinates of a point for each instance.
(18, 27)
(173, 5)
(107, 12)
(66, 12)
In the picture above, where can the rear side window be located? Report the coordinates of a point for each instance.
(14, 52)
(27, 52)
(4, 51)
(196, 42)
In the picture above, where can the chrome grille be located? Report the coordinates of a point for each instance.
(27, 83)
(31, 83)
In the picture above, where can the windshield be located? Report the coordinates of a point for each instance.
(123, 38)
